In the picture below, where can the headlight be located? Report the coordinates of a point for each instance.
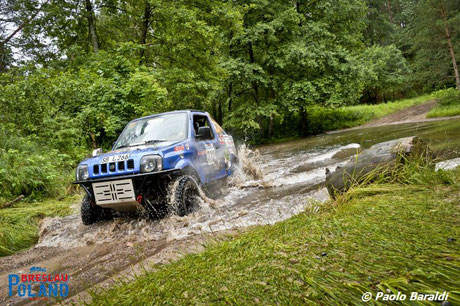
(151, 163)
(82, 173)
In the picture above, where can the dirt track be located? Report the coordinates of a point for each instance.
(416, 113)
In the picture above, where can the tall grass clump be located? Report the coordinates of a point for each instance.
(19, 224)
(448, 105)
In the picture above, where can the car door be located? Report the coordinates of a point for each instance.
(222, 151)
(208, 149)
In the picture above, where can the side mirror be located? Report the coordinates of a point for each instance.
(97, 152)
(204, 132)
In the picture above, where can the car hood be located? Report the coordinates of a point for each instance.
(134, 151)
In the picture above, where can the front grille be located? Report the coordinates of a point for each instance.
(130, 164)
(121, 166)
(113, 167)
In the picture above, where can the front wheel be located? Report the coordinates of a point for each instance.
(91, 213)
(184, 195)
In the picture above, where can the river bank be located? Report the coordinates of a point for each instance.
(390, 237)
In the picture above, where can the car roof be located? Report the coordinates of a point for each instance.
(172, 112)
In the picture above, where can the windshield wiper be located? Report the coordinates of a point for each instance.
(152, 141)
(155, 141)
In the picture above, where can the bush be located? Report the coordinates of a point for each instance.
(448, 97)
(29, 167)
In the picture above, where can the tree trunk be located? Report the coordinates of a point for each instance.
(145, 28)
(303, 122)
(3, 58)
(390, 11)
(230, 98)
(219, 112)
(270, 127)
(450, 46)
(93, 139)
(254, 83)
(92, 26)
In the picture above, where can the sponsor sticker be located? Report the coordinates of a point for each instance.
(179, 148)
(211, 154)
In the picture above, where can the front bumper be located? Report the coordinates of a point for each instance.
(144, 185)
(129, 176)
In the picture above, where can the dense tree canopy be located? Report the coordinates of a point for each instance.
(73, 73)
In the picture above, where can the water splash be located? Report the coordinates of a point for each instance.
(266, 189)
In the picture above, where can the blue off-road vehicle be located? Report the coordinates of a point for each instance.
(156, 166)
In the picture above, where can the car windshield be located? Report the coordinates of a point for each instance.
(162, 128)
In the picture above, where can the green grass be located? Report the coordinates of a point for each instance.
(19, 224)
(444, 111)
(383, 109)
(326, 119)
(449, 104)
(387, 236)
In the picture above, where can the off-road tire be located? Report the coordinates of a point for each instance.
(91, 213)
(184, 195)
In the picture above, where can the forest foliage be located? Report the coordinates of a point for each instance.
(73, 73)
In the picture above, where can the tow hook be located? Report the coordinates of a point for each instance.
(139, 199)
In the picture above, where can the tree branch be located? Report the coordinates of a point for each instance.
(4, 42)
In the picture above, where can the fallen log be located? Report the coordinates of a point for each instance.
(374, 160)
(9, 204)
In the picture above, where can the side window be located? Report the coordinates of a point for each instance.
(201, 121)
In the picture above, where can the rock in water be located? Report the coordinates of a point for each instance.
(374, 160)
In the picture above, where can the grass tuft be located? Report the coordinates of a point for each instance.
(19, 224)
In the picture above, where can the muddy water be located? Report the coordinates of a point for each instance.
(276, 181)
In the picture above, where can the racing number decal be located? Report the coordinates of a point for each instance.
(211, 154)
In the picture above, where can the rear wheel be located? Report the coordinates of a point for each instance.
(91, 213)
(184, 195)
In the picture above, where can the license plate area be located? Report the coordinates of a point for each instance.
(114, 192)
